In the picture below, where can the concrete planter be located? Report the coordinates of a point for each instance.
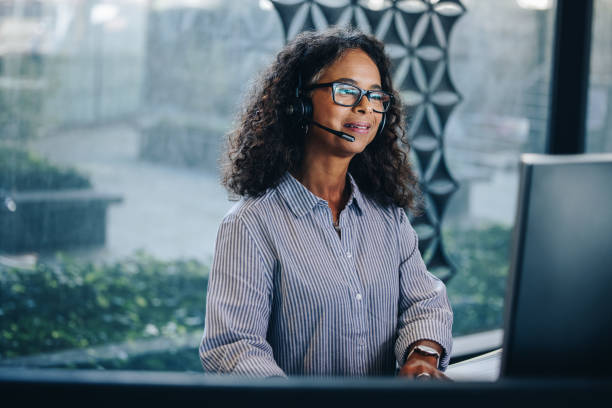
(51, 220)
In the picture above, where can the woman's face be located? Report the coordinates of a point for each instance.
(360, 121)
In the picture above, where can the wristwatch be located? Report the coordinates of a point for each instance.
(425, 351)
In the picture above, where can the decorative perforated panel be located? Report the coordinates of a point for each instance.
(416, 35)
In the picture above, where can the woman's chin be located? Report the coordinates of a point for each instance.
(361, 141)
(353, 148)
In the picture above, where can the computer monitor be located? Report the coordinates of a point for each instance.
(558, 318)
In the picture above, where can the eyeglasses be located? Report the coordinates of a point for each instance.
(350, 95)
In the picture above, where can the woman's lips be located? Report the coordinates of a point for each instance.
(358, 127)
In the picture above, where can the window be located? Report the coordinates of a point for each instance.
(599, 110)
(500, 57)
(112, 116)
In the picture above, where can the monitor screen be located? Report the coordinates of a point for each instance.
(559, 303)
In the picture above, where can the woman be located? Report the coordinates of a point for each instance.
(317, 270)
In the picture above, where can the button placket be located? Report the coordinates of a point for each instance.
(357, 290)
(347, 239)
(339, 247)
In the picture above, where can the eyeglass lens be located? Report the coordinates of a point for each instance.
(348, 95)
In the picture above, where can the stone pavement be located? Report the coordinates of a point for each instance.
(169, 212)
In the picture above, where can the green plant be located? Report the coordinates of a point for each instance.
(22, 170)
(184, 359)
(72, 304)
(477, 291)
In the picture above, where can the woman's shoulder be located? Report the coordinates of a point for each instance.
(390, 212)
(375, 207)
(248, 208)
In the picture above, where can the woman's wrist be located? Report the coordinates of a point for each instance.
(431, 360)
(422, 361)
(425, 350)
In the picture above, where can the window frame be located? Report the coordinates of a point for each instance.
(566, 135)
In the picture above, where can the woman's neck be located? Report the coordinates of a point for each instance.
(326, 178)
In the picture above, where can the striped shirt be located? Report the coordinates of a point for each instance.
(288, 296)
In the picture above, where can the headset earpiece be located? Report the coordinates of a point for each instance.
(306, 108)
(301, 108)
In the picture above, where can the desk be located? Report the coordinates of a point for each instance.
(481, 368)
(76, 388)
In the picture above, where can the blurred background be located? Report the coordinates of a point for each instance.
(112, 121)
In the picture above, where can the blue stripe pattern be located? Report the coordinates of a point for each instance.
(288, 295)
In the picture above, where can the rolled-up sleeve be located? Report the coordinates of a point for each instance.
(424, 310)
(238, 304)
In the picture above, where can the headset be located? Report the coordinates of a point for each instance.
(301, 109)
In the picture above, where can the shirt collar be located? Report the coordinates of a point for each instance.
(356, 197)
(301, 200)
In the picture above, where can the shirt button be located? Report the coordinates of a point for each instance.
(349, 255)
(358, 297)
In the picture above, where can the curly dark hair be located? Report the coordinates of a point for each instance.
(268, 141)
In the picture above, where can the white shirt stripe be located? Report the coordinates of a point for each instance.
(288, 296)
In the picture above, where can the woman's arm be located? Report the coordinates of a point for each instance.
(238, 304)
(424, 310)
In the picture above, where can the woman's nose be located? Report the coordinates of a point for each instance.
(364, 105)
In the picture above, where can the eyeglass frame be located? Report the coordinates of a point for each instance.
(362, 92)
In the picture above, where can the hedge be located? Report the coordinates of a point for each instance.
(21, 170)
(478, 290)
(71, 304)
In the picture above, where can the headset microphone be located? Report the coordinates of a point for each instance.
(334, 132)
(303, 110)
(349, 137)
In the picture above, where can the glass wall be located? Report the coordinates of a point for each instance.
(112, 116)
(500, 60)
(599, 113)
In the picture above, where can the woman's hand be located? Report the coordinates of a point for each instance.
(417, 367)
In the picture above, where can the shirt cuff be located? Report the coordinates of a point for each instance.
(425, 331)
(258, 366)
